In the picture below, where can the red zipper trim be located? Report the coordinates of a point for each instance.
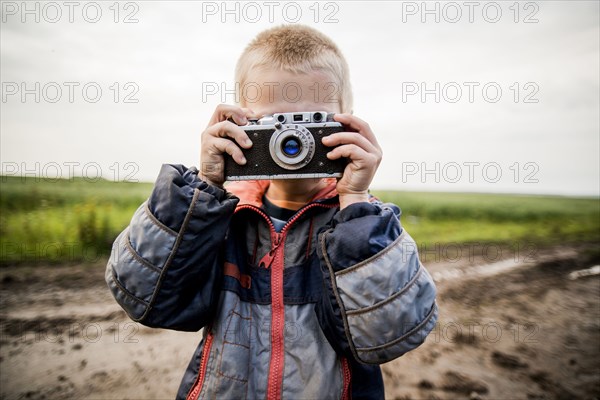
(197, 386)
(275, 380)
(291, 221)
(278, 238)
(347, 376)
(274, 259)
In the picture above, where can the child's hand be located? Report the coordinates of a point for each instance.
(214, 142)
(362, 149)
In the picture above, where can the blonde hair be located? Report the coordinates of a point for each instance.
(297, 49)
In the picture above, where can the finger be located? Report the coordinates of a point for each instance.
(226, 111)
(358, 125)
(250, 113)
(350, 138)
(222, 145)
(228, 129)
(351, 151)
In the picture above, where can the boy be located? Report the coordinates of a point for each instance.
(302, 286)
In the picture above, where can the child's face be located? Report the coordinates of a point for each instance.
(282, 91)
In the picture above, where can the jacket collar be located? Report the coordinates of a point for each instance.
(251, 192)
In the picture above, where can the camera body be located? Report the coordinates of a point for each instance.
(288, 146)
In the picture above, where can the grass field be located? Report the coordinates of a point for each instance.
(63, 220)
(496, 218)
(57, 221)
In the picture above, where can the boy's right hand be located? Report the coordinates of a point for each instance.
(215, 142)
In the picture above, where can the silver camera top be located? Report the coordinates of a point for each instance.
(305, 117)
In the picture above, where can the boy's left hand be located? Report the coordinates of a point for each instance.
(364, 154)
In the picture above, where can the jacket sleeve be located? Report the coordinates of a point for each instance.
(379, 301)
(164, 267)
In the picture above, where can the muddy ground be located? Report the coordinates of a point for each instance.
(519, 326)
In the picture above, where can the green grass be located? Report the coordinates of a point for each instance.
(57, 221)
(63, 220)
(496, 218)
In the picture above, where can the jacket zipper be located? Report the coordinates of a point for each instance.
(347, 376)
(274, 259)
(197, 387)
(277, 238)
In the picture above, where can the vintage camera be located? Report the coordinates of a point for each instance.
(288, 146)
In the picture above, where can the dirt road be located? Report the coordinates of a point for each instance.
(516, 329)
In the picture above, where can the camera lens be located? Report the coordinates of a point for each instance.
(317, 117)
(281, 118)
(291, 146)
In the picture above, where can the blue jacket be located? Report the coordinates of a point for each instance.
(307, 312)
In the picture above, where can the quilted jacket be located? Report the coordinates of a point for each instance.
(305, 313)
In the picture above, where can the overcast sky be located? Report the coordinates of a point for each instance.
(518, 105)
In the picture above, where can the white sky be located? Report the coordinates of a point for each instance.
(175, 48)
